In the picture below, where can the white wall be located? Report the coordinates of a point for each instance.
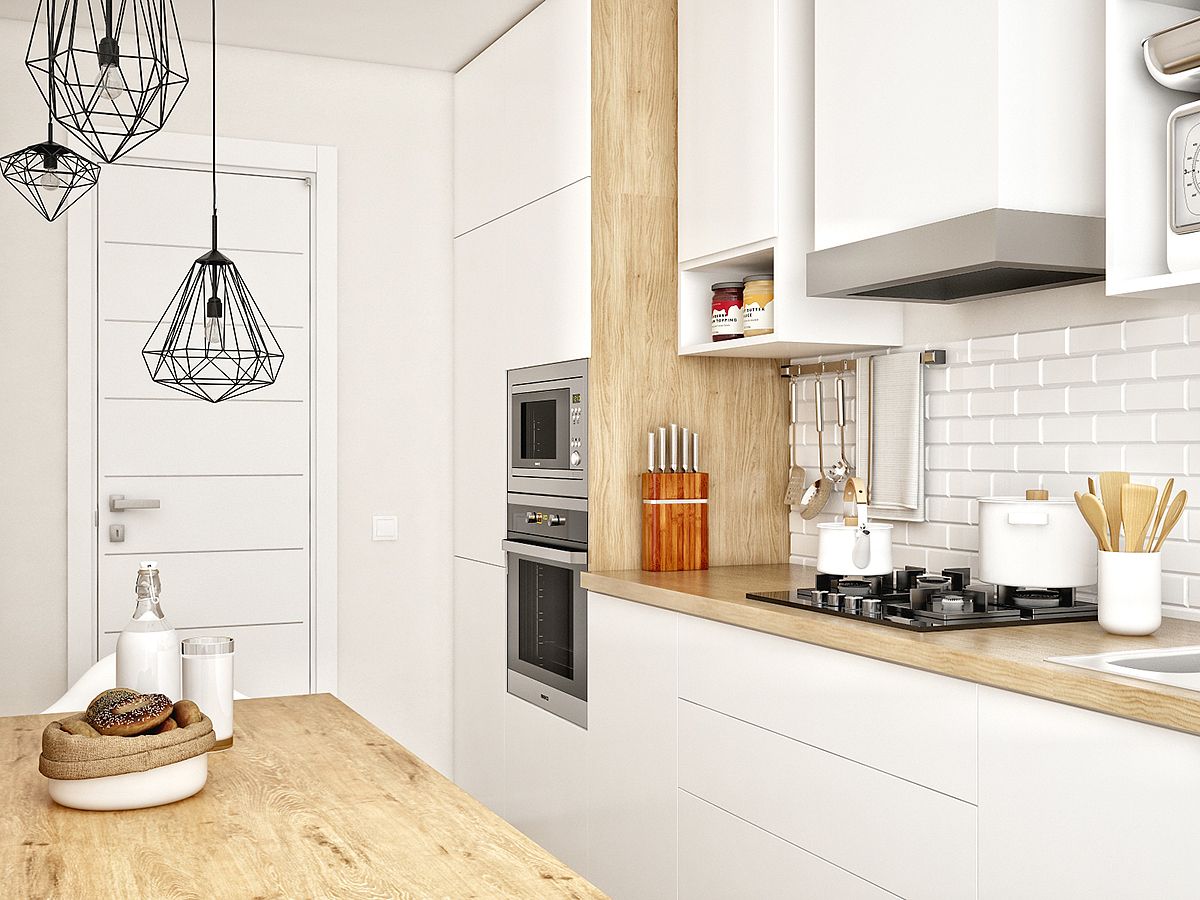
(393, 130)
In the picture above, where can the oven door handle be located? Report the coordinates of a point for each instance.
(549, 554)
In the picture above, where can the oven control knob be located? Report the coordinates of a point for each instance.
(576, 459)
(557, 520)
(531, 517)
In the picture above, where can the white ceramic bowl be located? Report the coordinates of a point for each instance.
(134, 790)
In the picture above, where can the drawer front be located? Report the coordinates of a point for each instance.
(722, 857)
(910, 840)
(917, 725)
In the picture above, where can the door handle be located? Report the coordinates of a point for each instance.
(117, 502)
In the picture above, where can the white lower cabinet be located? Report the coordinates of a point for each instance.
(632, 698)
(545, 780)
(722, 857)
(1077, 805)
(480, 680)
(848, 814)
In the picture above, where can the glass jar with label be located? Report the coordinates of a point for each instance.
(727, 310)
(758, 305)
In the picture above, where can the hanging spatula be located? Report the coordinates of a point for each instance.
(795, 488)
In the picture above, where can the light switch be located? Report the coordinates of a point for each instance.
(385, 528)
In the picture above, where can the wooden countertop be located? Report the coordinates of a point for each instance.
(312, 801)
(1010, 658)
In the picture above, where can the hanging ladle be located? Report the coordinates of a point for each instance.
(840, 469)
(818, 492)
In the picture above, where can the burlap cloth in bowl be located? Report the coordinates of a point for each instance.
(69, 757)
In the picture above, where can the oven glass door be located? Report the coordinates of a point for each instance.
(547, 620)
(541, 422)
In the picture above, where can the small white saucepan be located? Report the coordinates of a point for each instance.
(855, 547)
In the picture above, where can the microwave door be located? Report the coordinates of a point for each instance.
(541, 429)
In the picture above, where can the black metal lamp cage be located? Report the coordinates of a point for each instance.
(212, 341)
(113, 71)
(50, 176)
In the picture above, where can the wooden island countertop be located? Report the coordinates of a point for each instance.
(1013, 658)
(312, 801)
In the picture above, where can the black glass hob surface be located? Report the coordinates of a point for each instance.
(916, 600)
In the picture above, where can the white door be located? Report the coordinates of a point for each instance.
(232, 534)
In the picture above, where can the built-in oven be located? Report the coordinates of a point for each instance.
(546, 551)
(547, 429)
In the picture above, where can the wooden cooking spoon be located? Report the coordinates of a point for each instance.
(1137, 509)
(1093, 514)
(1110, 493)
(1173, 514)
(1162, 507)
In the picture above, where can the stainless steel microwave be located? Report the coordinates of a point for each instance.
(547, 429)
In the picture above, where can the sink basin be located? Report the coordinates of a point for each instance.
(1178, 666)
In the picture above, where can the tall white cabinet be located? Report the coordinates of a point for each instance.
(521, 297)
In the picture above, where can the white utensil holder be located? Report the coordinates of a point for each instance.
(1129, 589)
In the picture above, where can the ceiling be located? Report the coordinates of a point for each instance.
(424, 34)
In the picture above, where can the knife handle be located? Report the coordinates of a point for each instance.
(686, 448)
(674, 447)
(662, 449)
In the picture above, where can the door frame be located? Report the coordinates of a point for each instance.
(319, 166)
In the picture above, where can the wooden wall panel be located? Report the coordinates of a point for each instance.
(637, 381)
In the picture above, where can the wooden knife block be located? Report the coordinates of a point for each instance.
(674, 521)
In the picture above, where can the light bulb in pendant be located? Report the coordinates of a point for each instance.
(213, 337)
(50, 180)
(109, 82)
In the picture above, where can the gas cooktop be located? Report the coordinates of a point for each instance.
(915, 600)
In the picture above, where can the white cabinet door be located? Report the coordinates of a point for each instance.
(631, 748)
(853, 816)
(1077, 805)
(522, 296)
(522, 114)
(722, 857)
(480, 672)
(545, 780)
(913, 724)
(727, 124)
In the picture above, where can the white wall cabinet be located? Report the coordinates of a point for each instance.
(746, 180)
(1111, 803)
(522, 114)
(632, 697)
(480, 680)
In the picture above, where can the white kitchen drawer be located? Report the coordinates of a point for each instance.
(919, 726)
(722, 857)
(910, 840)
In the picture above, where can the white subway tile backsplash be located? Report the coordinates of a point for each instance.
(1075, 370)
(1095, 339)
(1124, 366)
(1097, 398)
(1041, 344)
(1156, 332)
(1157, 395)
(1172, 362)
(1043, 409)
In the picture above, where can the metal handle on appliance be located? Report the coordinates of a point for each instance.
(117, 502)
(549, 554)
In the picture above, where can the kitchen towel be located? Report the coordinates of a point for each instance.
(895, 421)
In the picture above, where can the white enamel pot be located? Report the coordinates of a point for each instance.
(847, 550)
(1035, 543)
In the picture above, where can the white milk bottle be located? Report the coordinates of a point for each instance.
(148, 659)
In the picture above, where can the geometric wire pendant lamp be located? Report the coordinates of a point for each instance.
(212, 341)
(48, 175)
(116, 70)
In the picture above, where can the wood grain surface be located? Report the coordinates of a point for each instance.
(312, 801)
(636, 379)
(1012, 658)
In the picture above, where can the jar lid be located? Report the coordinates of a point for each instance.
(750, 278)
(726, 285)
(206, 646)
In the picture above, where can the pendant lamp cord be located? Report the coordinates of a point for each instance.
(214, 123)
(51, 54)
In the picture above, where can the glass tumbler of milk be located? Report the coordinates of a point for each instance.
(208, 682)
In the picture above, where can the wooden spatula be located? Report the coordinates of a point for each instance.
(1137, 509)
(1173, 514)
(1093, 514)
(1162, 507)
(1110, 493)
